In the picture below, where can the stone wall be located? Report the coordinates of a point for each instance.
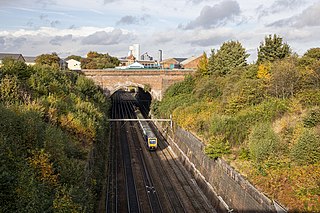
(227, 190)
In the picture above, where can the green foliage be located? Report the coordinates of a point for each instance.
(217, 147)
(206, 88)
(263, 142)
(96, 60)
(273, 49)
(265, 114)
(310, 97)
(285, 78)
(9, 90)
(13, 67)
(184, 87)
(312, 118)
(230, 55)
(236, 128)
(50, 121)
(307, 148)
(48, 59)
(74, 57)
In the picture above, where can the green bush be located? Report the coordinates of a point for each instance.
(236, 128)
(217, 147)
(312, 118)
(184, 87)
(307, 148)
(263, 142)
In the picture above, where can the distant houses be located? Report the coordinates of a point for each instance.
(31, 60)
(17, 57)
(181, 63)
(129, 62)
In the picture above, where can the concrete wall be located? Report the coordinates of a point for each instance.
(225, 188)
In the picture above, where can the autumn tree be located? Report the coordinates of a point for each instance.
(273, 49)
(285, 78)
(202, 68)
(230, 55)
(48, 59)
(75, 57)
(97, 60)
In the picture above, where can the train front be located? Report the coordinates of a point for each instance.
(152, 143)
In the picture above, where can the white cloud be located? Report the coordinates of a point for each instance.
(216, 15)
(309, 17)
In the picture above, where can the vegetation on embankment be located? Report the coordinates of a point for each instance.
(263, 118)
(53, 128)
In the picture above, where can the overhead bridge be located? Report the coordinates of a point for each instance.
(147, 119)
(158, 80)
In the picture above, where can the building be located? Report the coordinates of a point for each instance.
(160, 54)
(73, 64)
(146, 57)
(147, 64)
(135, 51)
(191, 63)
(172, 63)
(30, 60)
(135, 65)
(17, 57)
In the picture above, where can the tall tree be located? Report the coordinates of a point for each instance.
(273, 49)
(97, 60)
(202, 68)
(230, 55)
(48, 59)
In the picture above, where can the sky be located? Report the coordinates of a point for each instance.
(181, 28)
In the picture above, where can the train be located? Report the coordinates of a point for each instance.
(150, 139)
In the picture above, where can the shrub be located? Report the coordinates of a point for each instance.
(217, 147)
(263, 142)
(312, 118)
(307, 148)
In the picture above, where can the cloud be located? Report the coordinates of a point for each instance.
(130, 20)
(58, 40)
(215, 16)
(196, 1)
(279, 6)
(106, 38)
(54, 23)
(308, 18)
(109, 1)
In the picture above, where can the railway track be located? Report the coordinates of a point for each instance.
(144, 181)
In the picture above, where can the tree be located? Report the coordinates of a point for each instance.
(202, 68)
(230, 55)
(48, 59)
(14, 67)
(273, 49)
(285, 78)
(96, 60)
(75, 57)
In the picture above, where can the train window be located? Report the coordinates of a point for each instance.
(153, 141)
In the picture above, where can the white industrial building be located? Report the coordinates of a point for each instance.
(74, 64)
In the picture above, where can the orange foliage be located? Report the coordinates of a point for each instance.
(41, 163)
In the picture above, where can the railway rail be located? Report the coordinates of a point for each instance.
(141, 180)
